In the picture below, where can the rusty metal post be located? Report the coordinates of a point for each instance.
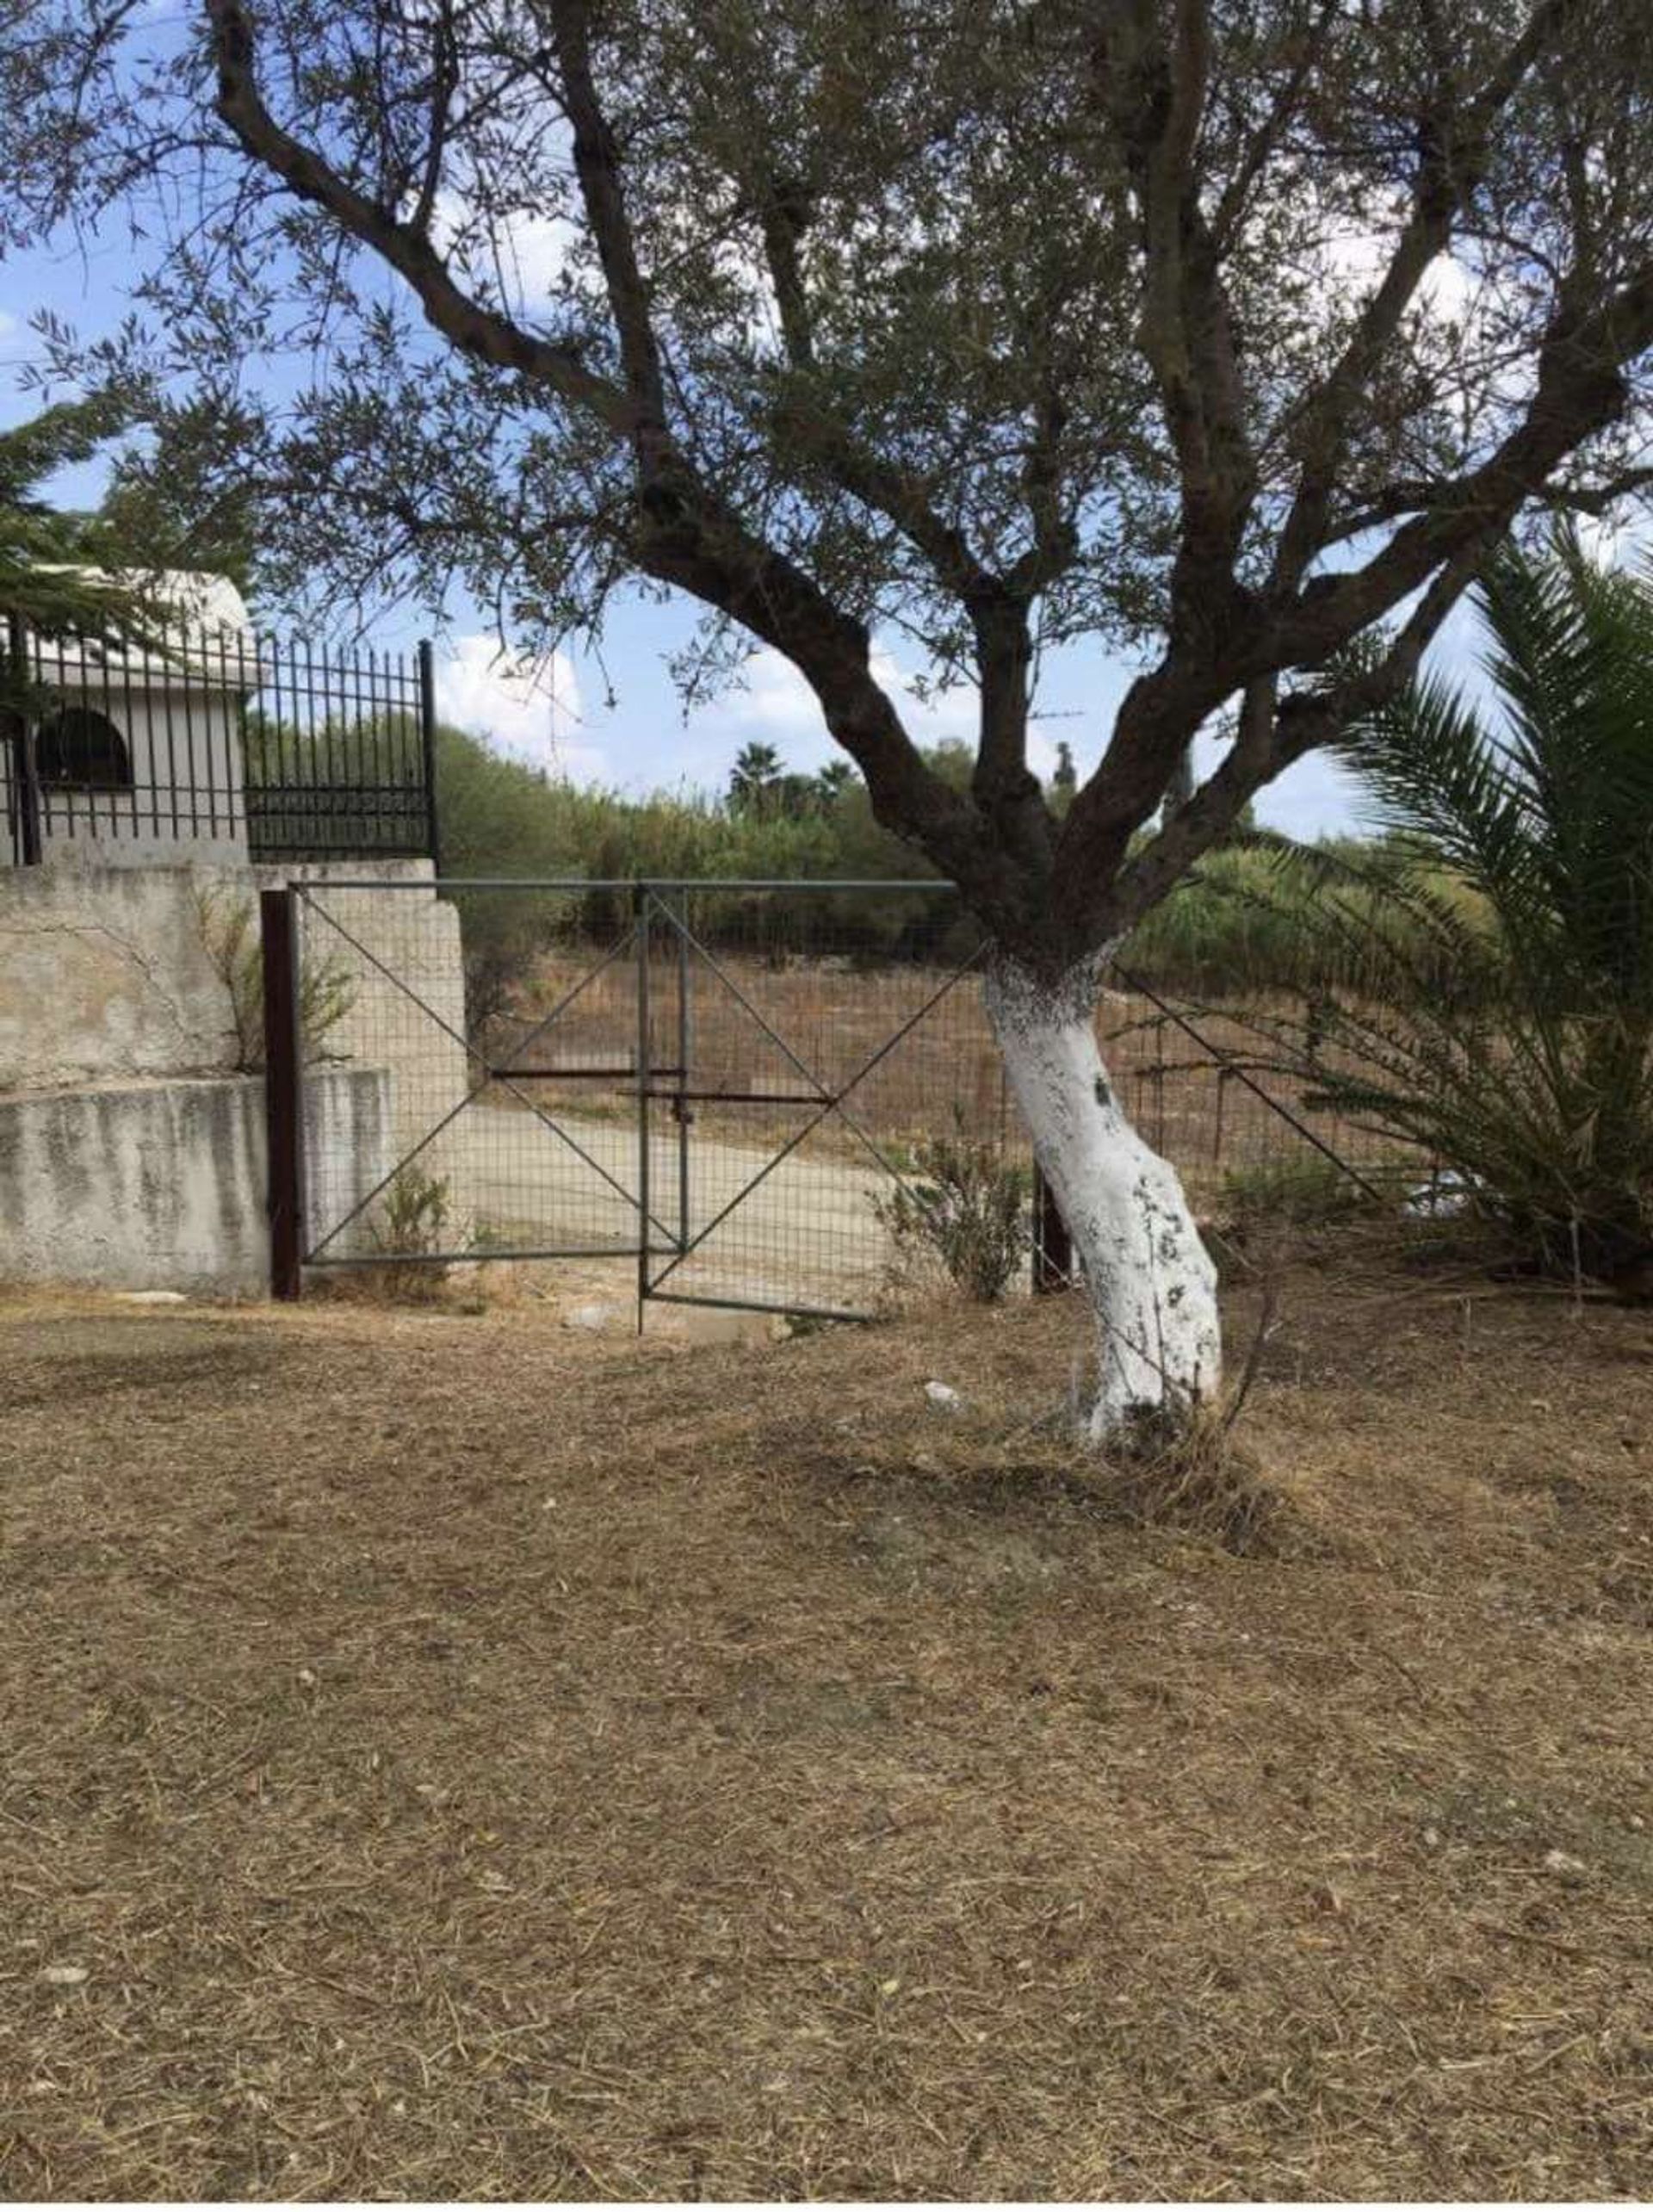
(642, 909)
(24, 779)
(283, 1103)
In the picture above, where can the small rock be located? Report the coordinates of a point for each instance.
(593, 1318)
(152, 1297)
(1442, 1198)
(944, 1395)
(306, 1676)
(1563, 1862)
(1432, 1837)
(64, 1977)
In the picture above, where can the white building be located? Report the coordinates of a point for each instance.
(137, 749)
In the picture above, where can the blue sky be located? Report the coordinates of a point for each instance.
(638, 738)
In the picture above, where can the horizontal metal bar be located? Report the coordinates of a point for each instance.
(798, 883)
(745, 1097)
(573, 883)
(575, 1075)
(331, 797)
(488, 1252)
(316, 853)
(758, 1305)
(570, 883)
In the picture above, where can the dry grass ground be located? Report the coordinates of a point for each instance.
(448, 1757)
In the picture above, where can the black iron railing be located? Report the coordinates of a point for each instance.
(219, 741)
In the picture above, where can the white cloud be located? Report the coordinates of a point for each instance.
(1354, 262)
(524, 254)
(774, 699)
(533, 251)
(523, 707)
(777, 703)
(954, 713)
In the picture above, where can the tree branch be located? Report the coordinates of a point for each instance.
(596, 165)
(444, 80)
(479, 331)
(781, 216)
(685, 536)
(1265, 140)
(1453, 156)
(1581, 389)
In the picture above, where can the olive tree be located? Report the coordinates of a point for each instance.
(1234, 334)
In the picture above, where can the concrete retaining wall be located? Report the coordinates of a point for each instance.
(105, 974)
(110, 972)
(161, 1184)
(113, 1004)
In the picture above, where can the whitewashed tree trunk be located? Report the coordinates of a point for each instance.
(1148, 1276)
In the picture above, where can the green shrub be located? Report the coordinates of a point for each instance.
(966, 1205)
(327, 987)
(409, 1226)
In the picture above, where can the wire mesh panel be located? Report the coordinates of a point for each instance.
(801, 1045)
(728, 1085)
(506, 1034)
(1202, 1088)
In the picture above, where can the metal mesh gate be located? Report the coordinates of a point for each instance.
(785, 1088)
(719, 1083)
(675, 1075)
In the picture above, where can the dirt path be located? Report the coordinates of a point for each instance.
(803, 1232)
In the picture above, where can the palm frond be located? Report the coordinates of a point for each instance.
(1534, 1079)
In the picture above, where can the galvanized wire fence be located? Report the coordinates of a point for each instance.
(721, 1084)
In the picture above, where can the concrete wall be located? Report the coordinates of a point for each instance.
(108, 983)
(110, 972)
(161, 1184)
(105, 973)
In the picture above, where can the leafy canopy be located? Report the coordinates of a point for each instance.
(46, 553)
(1231, 333)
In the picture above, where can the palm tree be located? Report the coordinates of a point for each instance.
(831, 780)
(1527, 880)
(756, 771)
